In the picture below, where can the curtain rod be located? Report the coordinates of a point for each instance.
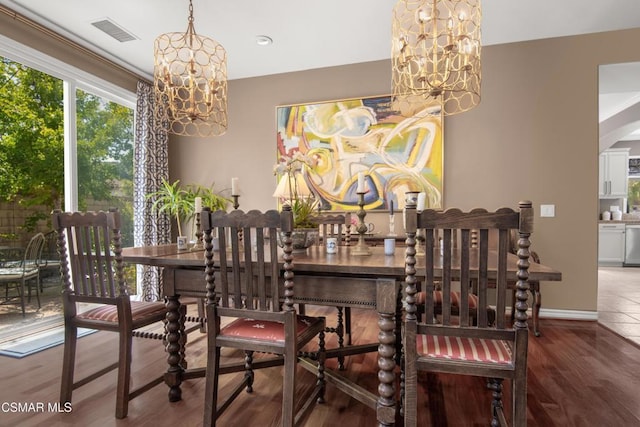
(50, 33)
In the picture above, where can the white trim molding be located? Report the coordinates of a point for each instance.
(550, 313)
(33, 58)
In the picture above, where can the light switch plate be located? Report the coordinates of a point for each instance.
(548, 210)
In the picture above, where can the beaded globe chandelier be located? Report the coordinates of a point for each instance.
(435, 55)
(190, 83)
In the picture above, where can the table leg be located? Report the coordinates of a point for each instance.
(173, 376)
(386, 304)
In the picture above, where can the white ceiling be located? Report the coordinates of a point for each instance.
(619, 87)
(314, 34)
(307, 34)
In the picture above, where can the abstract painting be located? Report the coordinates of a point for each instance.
(395, 154)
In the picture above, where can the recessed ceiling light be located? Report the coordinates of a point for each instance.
(264, 40)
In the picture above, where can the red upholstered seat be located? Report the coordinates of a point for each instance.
(470, 349)
(455, 299)
(261, 330)
(109, 313)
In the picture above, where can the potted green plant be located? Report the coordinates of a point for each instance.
(172, 200)
(210, 198)
(293, 190)
(179, 202)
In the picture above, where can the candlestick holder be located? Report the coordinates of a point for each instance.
(361, 248)
(236, 204)
(392, 225)
(198, 245)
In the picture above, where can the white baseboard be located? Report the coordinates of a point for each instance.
(549, 313)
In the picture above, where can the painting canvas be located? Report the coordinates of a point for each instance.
(396, 154)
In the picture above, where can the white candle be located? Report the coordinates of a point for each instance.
(360, 188)
(198, 203)
(422, 198)
(234, 187)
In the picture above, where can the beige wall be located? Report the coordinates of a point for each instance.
(534, 136)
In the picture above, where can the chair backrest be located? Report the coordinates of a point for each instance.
(33, 253)
(50, 249)
(337, 225)
(89, 244)
(464, 262)
(245, 276)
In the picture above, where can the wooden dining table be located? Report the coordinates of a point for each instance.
(342, 279)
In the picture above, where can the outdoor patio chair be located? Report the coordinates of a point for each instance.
(21, 274)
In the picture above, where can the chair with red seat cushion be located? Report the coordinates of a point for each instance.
(337, 226)
(92, 273)
(243, 284)
(445, 343)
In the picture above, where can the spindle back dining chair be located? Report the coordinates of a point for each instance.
(443, 343)
(92, 272)
(243, 280)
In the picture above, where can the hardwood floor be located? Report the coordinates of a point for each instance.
(580, 374)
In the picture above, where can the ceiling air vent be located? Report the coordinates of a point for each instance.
(114, 30)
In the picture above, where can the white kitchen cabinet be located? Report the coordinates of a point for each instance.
(613, 167)
(611, 243)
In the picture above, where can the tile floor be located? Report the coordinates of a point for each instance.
(619, 301)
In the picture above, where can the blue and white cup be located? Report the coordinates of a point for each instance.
(332, 245)
(182, 243)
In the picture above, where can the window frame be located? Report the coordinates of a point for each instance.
(73, 78)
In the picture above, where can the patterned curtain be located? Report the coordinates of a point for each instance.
(151, 166)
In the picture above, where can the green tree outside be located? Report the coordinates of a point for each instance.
(32, 146)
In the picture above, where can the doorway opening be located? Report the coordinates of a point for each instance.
(619, 107)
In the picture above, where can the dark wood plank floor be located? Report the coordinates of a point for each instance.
(580, 374)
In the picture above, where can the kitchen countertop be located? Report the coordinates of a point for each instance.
(624, 221)
(627, 218)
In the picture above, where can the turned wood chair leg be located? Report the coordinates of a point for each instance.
(495, 385)
(289, 387)
(68, 363)
(211, 405)
(519, 401)
(22, 297)
(321, 361)
(347, 324)
(202, 315)
(124, 375)
(535, 308)
(537, 303)
(339, 330)
(248, 373)
(38, 285)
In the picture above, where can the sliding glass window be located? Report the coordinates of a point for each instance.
(64, 143)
